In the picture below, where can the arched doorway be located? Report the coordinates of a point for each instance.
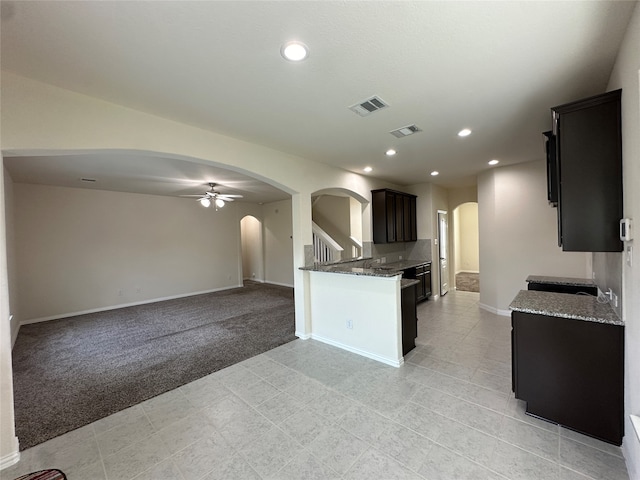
(466, 253)
(252, 249)
(337, 225)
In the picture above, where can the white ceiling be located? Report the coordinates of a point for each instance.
(494, 67)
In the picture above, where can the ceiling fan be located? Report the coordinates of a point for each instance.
(211, 196)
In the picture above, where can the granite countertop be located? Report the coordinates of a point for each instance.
(366, 267)
(407, 282)
(579, 282)
(565, 305)
(403, 264)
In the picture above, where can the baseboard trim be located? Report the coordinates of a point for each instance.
(279, 284)
(123, 305)
(303, 336)
(497, 311)
(364, 353)
(11, 458)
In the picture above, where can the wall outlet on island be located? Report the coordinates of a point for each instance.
(350, 324)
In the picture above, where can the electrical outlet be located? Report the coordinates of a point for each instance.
(400, 257)
(350, 324)
(613, 298)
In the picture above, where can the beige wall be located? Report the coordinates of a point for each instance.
(332, 214)
(626, 75)
(80, 249)
(278, 243)
(518, 234)
(252, 248)
(466, 242)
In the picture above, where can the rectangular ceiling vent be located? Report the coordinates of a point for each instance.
(405, 131)
(368, 106)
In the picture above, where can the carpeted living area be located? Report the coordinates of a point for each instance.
(468, 282)
(70, 372)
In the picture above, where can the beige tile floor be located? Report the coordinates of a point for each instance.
(307, 410)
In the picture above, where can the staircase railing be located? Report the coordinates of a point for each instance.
(356, 247)
(325, 248)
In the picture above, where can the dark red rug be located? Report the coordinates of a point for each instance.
(52, 474)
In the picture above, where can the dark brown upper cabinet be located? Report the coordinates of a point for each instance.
(394, 216)
(588, 155)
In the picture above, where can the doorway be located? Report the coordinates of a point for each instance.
(252, 251)
(443, 244)
(465, 258)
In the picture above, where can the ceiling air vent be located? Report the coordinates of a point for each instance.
(369, 106)
(405, 131)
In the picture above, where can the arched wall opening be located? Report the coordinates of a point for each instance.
(466, 250)
(251, 239)
(337, 216)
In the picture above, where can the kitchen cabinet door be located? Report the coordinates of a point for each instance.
(393, 216)
(589, 156)
(570, 372)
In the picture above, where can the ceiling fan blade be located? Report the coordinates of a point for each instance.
(230, 195)
(192, 196)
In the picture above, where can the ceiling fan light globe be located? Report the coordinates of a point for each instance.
(205, 202)
(219, 202)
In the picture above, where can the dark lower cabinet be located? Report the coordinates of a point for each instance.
(421, 273)
(570, 372)
(409, 319)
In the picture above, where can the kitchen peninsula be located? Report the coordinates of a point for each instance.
(357, 305)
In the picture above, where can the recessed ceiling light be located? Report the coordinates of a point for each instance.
(367, 169)
(434, 173)
(294, 51)
(494, 162)
(390, 153)
(464, 132)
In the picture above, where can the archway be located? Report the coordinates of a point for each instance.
(466, 252)
(337, 216)
(252, 249)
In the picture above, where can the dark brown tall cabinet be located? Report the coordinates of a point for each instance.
(394, 216)
(586, 147)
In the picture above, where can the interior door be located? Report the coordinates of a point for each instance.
(443, 242)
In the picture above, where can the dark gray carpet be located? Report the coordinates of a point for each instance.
(468, 282)
(70, 372)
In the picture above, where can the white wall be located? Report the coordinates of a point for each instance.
(11, 256)
(371, 304)
(278, 243)
(79, 249)
(518, 234)
(8, 441)
(626, 75)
